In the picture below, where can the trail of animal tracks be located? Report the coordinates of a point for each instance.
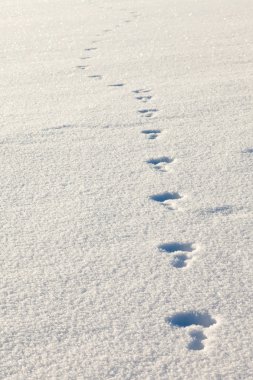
(126, 163)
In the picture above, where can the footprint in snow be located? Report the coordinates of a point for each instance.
(167, 199)
(196, 324)
(160, 163)
(141, 95)
(141, 91)
(135, 14)
(81, 67)
(95, 76)
(197, 340)
(181, 253)
(143, 98)
(64, 126)
(90, 49)
(219, 210)
(148, 112)
(151, 133)
(116, 85)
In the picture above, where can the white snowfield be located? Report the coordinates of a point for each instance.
(126, 163)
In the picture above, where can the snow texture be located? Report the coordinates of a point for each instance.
(126, 163)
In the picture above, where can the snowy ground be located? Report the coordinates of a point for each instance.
(126, 163)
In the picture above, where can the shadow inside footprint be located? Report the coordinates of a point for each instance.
(189, 318)
(64, 126)
(90, 49)
(224, 210)
(196, 342)
(95, 76)
(144, 99)
(141, 91)
(166, 196)
(148, 110)
(116, 85)
(176, 247)
(160, 160)
(180, 261)
(81, 67)
(248, 150)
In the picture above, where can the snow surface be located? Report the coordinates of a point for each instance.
(126, 146)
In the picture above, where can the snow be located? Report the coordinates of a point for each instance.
(126, 163)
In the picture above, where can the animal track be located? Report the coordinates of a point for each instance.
(148, 112)
(181, 253)
(167, 199)
(160, 163)
(193, 318)
(151, 133)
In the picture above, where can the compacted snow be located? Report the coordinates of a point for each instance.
(126, 162)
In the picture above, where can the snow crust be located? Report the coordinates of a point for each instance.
(126, 163)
